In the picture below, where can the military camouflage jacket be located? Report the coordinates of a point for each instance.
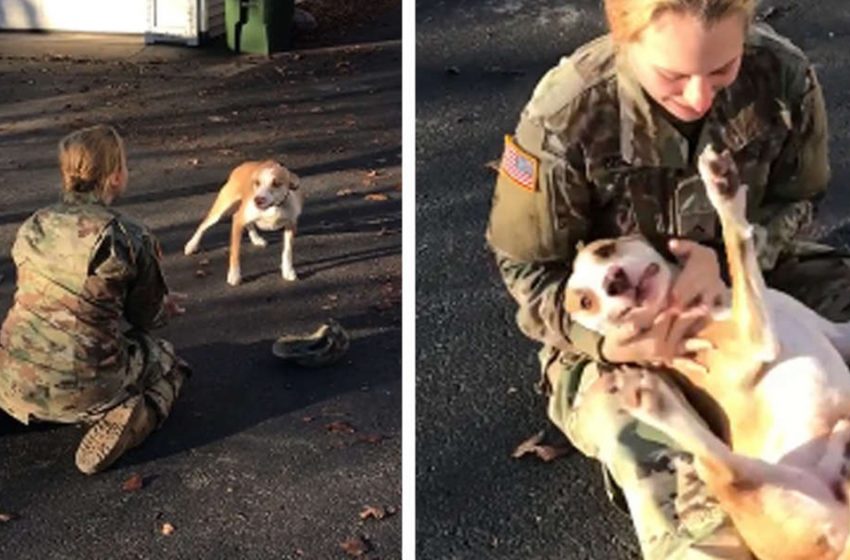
(593, 158)
(84, 272)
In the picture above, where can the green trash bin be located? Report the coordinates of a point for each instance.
(259, 26)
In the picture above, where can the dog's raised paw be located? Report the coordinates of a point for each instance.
(190, 248)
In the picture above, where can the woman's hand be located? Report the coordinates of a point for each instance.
(699, 281)
(171, 304)
(668, 341)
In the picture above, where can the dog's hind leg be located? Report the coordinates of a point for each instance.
(225, 200)
(287, 270)
(757, 495)
(254, 235)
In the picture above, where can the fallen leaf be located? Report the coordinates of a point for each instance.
(492, 164)
(344, 192)
(167, 529)
(194, 162)
(356, 546)
(373, 173)
(200, 273)
(307, 419)
(377, 512)
(376, 197)
(134, 483)
(544, 452)
(371, 438)
(217, 118)
(6, 517)
(340, 427)
(204, 262)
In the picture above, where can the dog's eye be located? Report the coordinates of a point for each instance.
(275, 184)
(256, 183)
(586, 302)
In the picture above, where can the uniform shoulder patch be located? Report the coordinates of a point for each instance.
(520, 167)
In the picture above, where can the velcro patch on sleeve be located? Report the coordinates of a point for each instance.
(518, 165)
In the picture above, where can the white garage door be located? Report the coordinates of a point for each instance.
(109, 16)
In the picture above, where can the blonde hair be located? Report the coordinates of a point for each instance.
(88, 157)
(628, 18)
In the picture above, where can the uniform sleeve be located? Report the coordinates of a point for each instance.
(540, 211)
(798, 177)
(143, 305)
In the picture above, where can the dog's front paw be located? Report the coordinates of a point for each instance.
(191, 247)
(723, 185)
(256, 239)
(234, 277)
(288, 274)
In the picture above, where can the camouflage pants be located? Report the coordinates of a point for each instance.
(672, 512)
(153, 370)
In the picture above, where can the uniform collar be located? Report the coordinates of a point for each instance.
(81, 198)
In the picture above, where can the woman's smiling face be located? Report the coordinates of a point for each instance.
(682, 63)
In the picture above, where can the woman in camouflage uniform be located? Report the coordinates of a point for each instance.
(607, 146)
(84, 274)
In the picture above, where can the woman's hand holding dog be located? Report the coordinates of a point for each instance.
(668, 339)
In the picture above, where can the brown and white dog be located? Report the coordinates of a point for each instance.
(269, 199)
(776, 373)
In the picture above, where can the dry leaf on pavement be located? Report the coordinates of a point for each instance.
(371, 438)
(167, 529)
(544, 452)
(492, 164)
(356, 546)
(340, 427)
(377, 512)
(376, 197)
(134, 483)
(6, 517)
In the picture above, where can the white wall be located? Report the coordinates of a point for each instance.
(112, 16)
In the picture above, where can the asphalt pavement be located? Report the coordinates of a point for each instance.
(477, 63)
(259, 459)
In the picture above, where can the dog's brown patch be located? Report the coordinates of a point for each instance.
(605, 250)
(581, 300)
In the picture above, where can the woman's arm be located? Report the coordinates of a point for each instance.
(798, 177)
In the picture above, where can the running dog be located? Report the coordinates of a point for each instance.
(269, 199)
(775, 369)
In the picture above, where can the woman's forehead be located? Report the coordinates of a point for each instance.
(681, 43)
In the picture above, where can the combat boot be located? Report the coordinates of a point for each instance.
(122, 428)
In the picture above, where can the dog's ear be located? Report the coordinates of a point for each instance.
(294, 181)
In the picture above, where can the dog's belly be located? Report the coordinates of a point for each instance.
(803, 393)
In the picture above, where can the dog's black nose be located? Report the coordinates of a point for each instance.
(616, 281)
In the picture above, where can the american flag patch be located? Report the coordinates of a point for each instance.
(518, 165)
